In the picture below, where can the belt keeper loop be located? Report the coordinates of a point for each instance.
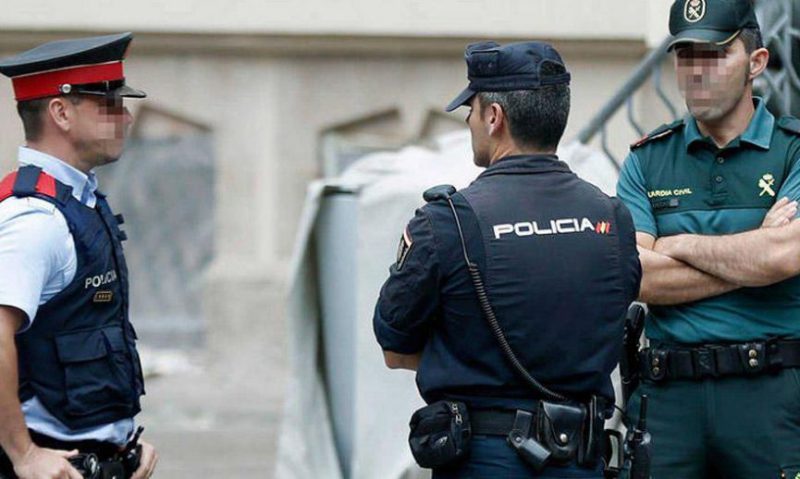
(657, 363)
(753, 357)
(704, 362)
(774, 354)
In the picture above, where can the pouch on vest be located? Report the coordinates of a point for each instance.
(440, 434)
(96, 370)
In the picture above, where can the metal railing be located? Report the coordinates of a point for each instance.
(779, 85)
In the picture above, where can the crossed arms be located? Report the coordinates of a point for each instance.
(684, 268)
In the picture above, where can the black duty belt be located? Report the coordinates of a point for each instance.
(492, 422)
(714, 361)
(500, 422)
(556, 434)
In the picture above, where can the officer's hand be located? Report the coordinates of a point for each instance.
(41, 463)
(147, 463)
(781, 213)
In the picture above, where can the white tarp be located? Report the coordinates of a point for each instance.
(388, 189)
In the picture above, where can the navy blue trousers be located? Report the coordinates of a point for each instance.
(492, 457)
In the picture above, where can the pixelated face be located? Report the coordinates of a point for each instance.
(102, 126)
(712, 79)
(480, 139)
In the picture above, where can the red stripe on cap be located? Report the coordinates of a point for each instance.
(40, 85)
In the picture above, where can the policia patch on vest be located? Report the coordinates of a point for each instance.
(404, 248)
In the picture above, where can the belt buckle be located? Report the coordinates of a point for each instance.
(705, 363)
(753, 356)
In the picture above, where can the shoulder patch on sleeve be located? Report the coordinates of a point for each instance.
(662, 131)
(406, 241)
(790, 124)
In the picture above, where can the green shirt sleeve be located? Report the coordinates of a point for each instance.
(633, 193)
(791, 186)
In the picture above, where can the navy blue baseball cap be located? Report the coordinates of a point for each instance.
(516, 66)
(89, 66)
(714, 22)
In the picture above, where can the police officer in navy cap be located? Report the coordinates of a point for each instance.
(714, 199)
(507, 297)
(70, 376)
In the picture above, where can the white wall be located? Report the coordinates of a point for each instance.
(566, 19)
(269, 78)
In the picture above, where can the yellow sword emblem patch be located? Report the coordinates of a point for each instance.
(765, 183)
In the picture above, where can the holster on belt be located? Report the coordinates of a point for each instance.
(629, 363)
(564, 432)
(570, 431)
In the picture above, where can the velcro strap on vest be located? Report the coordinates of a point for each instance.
(712, 361)
(28, 181)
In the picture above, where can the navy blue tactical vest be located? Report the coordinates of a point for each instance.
(559, 261)
(79, 356)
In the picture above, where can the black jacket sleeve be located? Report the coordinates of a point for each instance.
(409, 299)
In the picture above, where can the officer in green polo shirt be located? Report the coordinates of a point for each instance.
(714, 199)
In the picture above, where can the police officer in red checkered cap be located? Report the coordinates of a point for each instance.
(70, 375)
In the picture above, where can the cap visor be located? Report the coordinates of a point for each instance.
(462, 99)
(129, 92)
(123, 91)
(699, 35)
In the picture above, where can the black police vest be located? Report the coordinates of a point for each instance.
(79, 356)
(560, 266)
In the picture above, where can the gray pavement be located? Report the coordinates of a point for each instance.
(213, 422)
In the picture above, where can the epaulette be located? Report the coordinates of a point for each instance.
(662, 131)
(790, 124)
(441, 192)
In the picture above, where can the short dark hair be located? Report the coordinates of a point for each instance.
(537, 118)
(31, 112)
(751, 36)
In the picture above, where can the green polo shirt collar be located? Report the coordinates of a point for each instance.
(758, 132)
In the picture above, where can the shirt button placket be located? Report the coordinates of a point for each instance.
(718, 177)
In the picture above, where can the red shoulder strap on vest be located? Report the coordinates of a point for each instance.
(45, 185)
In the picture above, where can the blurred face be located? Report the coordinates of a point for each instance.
(481, 155)
(100, 128)
(712, 79)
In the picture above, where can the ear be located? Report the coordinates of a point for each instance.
(61, 113)
(496, 119)
(758, 62)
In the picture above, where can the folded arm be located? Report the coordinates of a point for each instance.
(668, 281)
(754, 258)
